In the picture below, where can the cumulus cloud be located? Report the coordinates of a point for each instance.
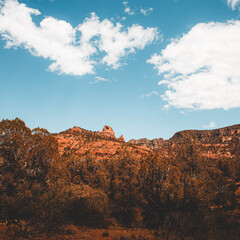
(146, 11)
(113, 41)
(201, 69)
(128, 9)
(233, 3)
(148, 95)
(59, 41)
(210, 125)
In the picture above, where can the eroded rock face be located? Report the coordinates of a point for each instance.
(152, 144)
(207, 144)
(212, 144)
(102, 144)
(121, 138)
(108, 131)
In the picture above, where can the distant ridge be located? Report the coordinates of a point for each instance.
(217, 143)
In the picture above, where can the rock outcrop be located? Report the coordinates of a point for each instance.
(108, 131)
(152, 144)
(208, 144)
(121, 138)
(102, 144)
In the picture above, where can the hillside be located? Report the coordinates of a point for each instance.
(211, 144)
(102, 144)
(223, 143)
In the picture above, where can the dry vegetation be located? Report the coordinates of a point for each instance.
(70, 196)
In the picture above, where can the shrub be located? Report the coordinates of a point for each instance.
(105, 234)
(88, 206)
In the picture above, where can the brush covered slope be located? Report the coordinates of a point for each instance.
(209, 155)
(207, 144)
(101, 145)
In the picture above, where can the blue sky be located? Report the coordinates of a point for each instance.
(147, 68)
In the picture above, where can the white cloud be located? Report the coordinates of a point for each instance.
(115, 42)
(148, 95)
(59, 41)
(99, 79)
(210, 125)
(128, 9)
(202, 68)
(233, 3)
(146, 11)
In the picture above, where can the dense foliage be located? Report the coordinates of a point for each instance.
(45, 190)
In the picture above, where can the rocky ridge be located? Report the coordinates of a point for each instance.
(208, 144)
(152, 144)
(101, 144)
(214, 144)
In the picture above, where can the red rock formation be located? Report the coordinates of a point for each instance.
(153, 144)
(101, 144)
(213, 144)
(108, 131)
(208, 144)
(121, 138)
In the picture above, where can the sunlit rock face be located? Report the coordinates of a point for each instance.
(223, 143)
(108, 131)
(101, 144)
(212, 145)
(121, 138)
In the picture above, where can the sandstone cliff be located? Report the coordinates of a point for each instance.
(206, 144)
(102, 144)
(152, 144)
(214, 144)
